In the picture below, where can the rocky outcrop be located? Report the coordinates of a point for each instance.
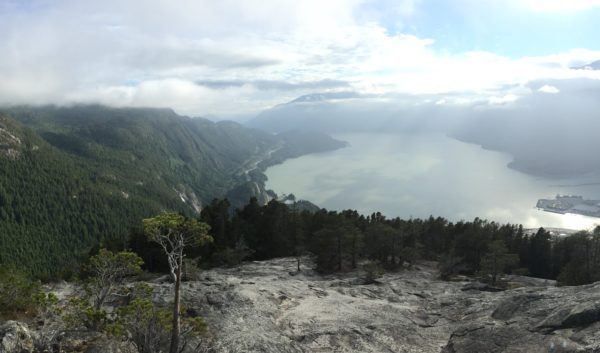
(269, 307)
(239, 196)
(189, 197)
(535, 319)
(9, 143)
(15, 337)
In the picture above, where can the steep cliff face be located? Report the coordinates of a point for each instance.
(9, 143)
(14, 139)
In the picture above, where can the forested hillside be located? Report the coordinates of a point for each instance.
(156, 146)
(73, 177)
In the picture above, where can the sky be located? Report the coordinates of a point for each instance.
(234, 59)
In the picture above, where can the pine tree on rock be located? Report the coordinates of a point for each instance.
(174, 233)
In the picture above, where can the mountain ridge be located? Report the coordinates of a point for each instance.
(77, 176)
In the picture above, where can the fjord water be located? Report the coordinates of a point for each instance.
(417, 175)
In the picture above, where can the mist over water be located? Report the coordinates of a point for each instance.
(418, 175)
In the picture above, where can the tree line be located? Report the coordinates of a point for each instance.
(340, 241)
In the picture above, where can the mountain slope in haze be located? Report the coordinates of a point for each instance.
(591, 66)
(350, 112)
(325, 112)
(155, 149)
(548, 134)
(73, 177)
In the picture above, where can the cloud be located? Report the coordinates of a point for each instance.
(188, 97)
(509, 98)
(277, 84)
(231, 58)
(548, 89)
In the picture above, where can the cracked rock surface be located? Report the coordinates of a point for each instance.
(268, 307)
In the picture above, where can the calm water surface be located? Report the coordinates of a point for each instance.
(426, 174)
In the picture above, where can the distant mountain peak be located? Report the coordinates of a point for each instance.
(321, 97)
(315, 97)
(591, 66)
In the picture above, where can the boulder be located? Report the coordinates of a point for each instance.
(513, 305)
(496, 338)
(582, 314)
(15, 337)
(482, 287)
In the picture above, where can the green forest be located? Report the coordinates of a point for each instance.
(339, 241)
(74, 177)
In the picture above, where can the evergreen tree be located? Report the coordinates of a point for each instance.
(497, 260)
(107, 270)
(540, 254)
(174, 233)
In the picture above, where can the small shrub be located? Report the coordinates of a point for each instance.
(19, 295)
(81, 313)
(190, 270)
(107, 271)
(148, 326)
(521, 271)
(231, 257)
(450, 266)
(373, 271)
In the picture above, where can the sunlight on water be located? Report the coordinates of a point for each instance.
(575, 221)
(426, 174)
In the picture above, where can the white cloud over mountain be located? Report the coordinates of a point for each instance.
(549, 89)
(234, 58)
